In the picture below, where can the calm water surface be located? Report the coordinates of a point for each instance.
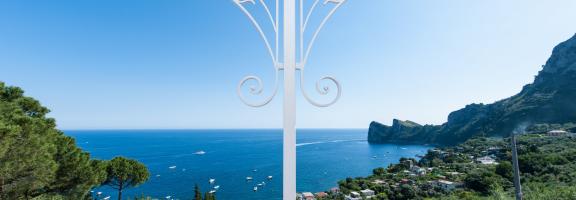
(324, 157)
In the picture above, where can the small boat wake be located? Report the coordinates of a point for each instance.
(325, 142)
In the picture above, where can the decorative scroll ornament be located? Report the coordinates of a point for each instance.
(321, 89)
(323, 85)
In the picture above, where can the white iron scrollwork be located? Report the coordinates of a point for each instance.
(323, 85)
(257, 89)
(304, 55)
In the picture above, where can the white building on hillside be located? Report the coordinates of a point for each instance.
(368, 193)
(446, 185)
(353, 196)
(308, 196)
(486, 160)
(556, 133)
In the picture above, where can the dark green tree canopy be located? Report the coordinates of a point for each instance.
(125, 173)
(35, 157)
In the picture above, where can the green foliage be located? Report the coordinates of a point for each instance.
(351, 184)
(197, 193)
(406, 192)
(123, 173)
(483, 181)
(547, 166)
(544, 128)
(36, 159)
(27, 149)
(467, 195)
(505, 170)
(379, 171)
(542, 191)
(77, 174)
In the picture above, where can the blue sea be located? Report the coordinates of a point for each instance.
(324, 157)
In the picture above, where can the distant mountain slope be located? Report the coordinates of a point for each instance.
(551, 99)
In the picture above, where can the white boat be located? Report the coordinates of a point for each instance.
(106, 198)
(168, 197)
(99, 193)
(403, 148)
(249, 178)
(211, 181)
(255, 170)
(172, 167)
(255, 189)
(269, 177)
(200, 153)
(157, 175)
(260, 184)
(216, 187)
(212, 191)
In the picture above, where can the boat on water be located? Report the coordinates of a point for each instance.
(255, 170)
(269, 177)
(107, 198)
(212, 191)
(212, 181)
(172, 167)
(200, 153)
(216, 187)
(249, 178)
(157, 175)
(168, 197)
(255, 189)
(403, 148)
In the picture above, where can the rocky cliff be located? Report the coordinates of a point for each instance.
(550, 99)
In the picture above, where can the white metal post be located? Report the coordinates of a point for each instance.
(289, 66)
(289, 161)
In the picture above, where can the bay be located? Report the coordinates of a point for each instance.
(324, 157)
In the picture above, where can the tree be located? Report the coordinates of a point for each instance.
(26, 149)
(407, 191)
(36, 158)
(379, 171)
(505, 170)
(197, 193)
(125, 173)
(77, 174)
(483, 181)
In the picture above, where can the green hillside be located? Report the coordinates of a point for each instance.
(550, 99)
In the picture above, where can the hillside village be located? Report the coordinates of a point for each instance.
(480, 167)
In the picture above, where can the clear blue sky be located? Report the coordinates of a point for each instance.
(176, 64)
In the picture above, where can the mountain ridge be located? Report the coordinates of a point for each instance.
(550, 99)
